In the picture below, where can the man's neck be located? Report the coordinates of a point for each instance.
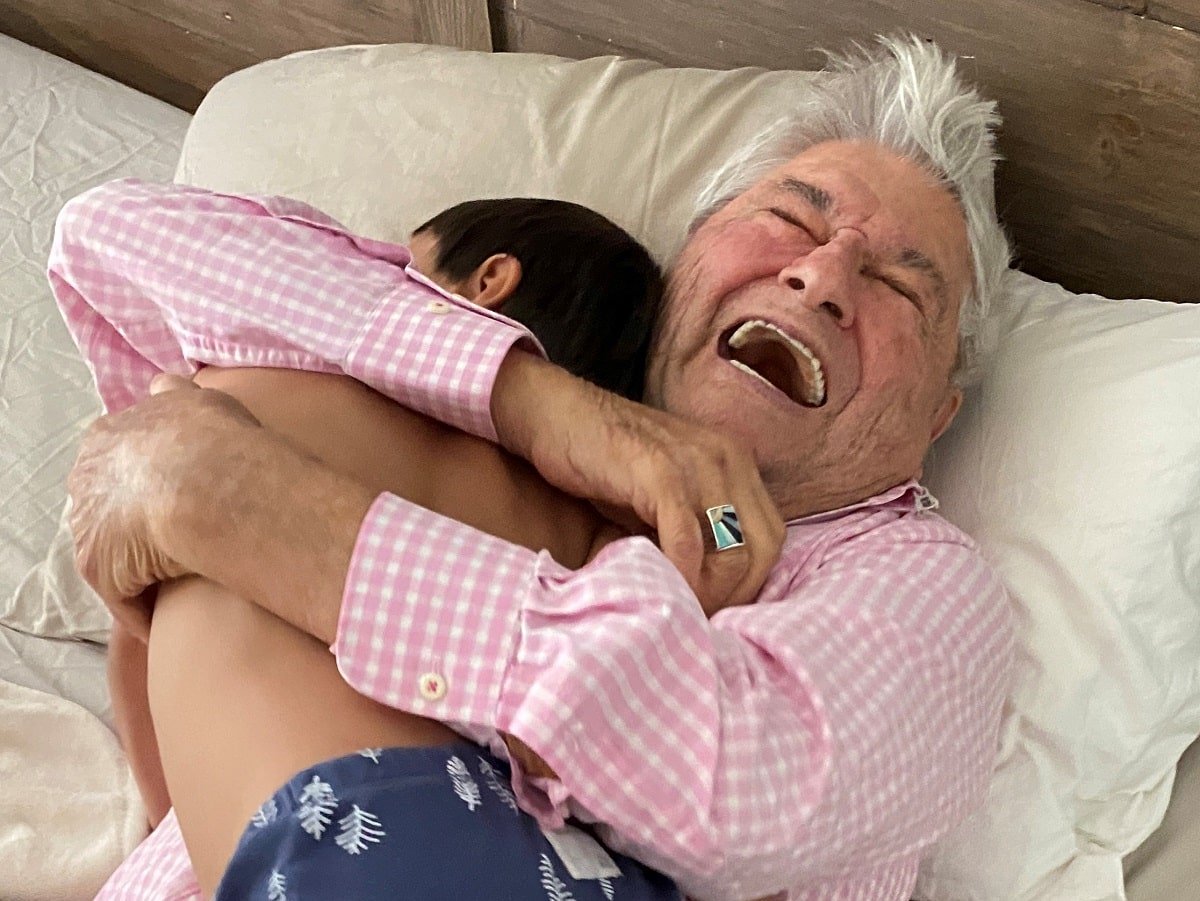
(806, 497)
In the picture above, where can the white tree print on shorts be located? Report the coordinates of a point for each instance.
(265, 814)
(556, 889)
(464, 786)
(372, 754)
(496, 783)
(277, 887)
(606, 886)
(359, 828)
(317, 802)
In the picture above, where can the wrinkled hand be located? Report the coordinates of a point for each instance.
(664, 469)
(124, 486)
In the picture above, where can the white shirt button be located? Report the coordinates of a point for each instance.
(433, 686)
(439, 306)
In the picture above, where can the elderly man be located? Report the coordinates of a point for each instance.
(812, 744)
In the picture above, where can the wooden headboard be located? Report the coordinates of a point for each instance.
(1100, 187)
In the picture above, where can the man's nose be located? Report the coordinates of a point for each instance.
(826, 278)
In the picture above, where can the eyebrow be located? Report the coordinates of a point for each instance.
(818, 197)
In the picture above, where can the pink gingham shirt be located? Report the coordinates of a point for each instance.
(819, 740)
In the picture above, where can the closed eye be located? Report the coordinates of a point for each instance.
(790, 219)
(902, 290)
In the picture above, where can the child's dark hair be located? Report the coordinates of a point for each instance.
(588, 291)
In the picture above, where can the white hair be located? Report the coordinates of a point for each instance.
(907, 96)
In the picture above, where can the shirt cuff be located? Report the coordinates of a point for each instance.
(431, 613)
(436, 353)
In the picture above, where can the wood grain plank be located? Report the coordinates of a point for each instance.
(513, 32)
(1184, 13)
(1102, 109)
(1137, 7)
(177, 49)
(106, 38)
(457, 24)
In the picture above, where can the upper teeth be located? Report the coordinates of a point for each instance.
(814, 387)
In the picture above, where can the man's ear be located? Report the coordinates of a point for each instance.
(946, 413)
(494, 281)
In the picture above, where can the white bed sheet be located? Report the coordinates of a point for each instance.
(72, 670)
(69, 810)
(63, 129)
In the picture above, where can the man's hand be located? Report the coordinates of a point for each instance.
(188, 481)
(667, 471)
(124, 486)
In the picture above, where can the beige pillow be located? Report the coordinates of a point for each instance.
(1165, 866)
(384, 137)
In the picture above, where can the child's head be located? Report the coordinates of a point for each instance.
(585, 288)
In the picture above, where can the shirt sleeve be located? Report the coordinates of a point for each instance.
(154, 278)
(834, 730)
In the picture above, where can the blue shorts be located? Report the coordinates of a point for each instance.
(427, 824)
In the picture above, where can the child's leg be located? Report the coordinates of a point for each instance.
(241, 702)
(131, 715)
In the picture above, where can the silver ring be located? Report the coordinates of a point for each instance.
(724, 527)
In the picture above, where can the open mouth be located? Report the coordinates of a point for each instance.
(765, 351)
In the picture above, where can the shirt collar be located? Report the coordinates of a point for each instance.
(910, 495)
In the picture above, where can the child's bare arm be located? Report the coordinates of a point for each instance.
(131, 712)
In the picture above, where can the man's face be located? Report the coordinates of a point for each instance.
(862, 259)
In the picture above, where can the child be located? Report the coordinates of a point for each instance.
(586, 290)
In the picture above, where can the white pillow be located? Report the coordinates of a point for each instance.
(1076, 467)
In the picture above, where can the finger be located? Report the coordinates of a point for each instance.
(724, 569)
(736, 575)
(131, 612)
(682, 542)
(723, 573)
(763, 530)
(739, 572)
(166, 381)
(623, 517)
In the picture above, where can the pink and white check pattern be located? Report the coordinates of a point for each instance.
(821, 739)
